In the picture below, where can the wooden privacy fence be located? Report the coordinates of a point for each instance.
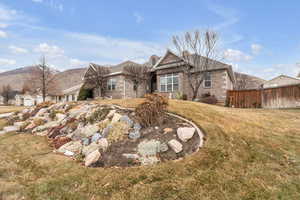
(277, 97)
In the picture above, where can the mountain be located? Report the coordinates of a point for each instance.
(64, 80)
(16, 78)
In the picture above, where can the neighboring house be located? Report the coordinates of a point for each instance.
(281, 80)
(67, 95)
(30, 99)
(168, 78)
(118, 86)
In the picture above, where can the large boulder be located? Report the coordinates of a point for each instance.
(11, 129)
(111, 113)
(89, 130)
(175, 145)
(41, 112)
(185, 133)
(116, 117)
(73, 146)
(149, 148)
(92, 158)
(86, 150)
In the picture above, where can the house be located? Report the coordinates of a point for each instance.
(118, 87)
(29, 99)
(282, 80)
(67, 95)
(167, 78)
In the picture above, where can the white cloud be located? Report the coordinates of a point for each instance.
(77, 63)
(233, 55)
(4, 61)
(17, 50)
(37, 1)
(3, 34)
(138, 17)
(2, 25)
(256, 48)
(116, 49)
(46, 49)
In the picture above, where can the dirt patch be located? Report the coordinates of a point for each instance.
(114, 154)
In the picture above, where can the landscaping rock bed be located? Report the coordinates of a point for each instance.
(107, 135)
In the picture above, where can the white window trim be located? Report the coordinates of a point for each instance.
(207, 80)
(166, 84)
(110, 83)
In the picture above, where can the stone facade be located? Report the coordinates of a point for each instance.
(220, 83)
(124, 89)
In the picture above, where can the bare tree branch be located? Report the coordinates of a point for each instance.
(137, 74)
(199, 51)
(97, 78)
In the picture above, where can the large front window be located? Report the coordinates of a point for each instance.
(169, 83)
(111, 84)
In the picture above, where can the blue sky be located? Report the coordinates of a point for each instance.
(257, 37)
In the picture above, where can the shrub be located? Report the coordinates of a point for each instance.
(38, 122)
(208, 99)
(152, 111)
(84, 94)
(184, 97)
(98, 115)
(60, 141)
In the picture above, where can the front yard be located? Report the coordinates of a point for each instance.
(248, 154)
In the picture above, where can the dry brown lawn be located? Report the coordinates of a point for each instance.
(248, 154)
(7, 109)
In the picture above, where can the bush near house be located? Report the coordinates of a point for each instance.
(152, 111)
(85, 94)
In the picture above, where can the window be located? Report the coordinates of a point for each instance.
(111, 84)
(169, 83)
(207, 80)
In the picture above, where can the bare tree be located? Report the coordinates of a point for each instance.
(43, 78)
(6, 93)
(199, 51)
(137, 74)
(97, 78)
(241, 81)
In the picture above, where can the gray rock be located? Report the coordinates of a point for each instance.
(137, 126)
(135, 134)
(148, 148)
(116, 118)
(90, 130)
(111, 113)
(41, 112)
(106, 131)
(126, 120)
(73, 146)
(90, 148)
(6, 115)
(11, 129)
(185, 133)
(163, 147)
(131, 156)
(96, 137)
(175, 145)
(92, 158)
(85, 141)
(103, 144)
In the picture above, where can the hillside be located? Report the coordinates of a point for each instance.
(247, 154)
(16, 78)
